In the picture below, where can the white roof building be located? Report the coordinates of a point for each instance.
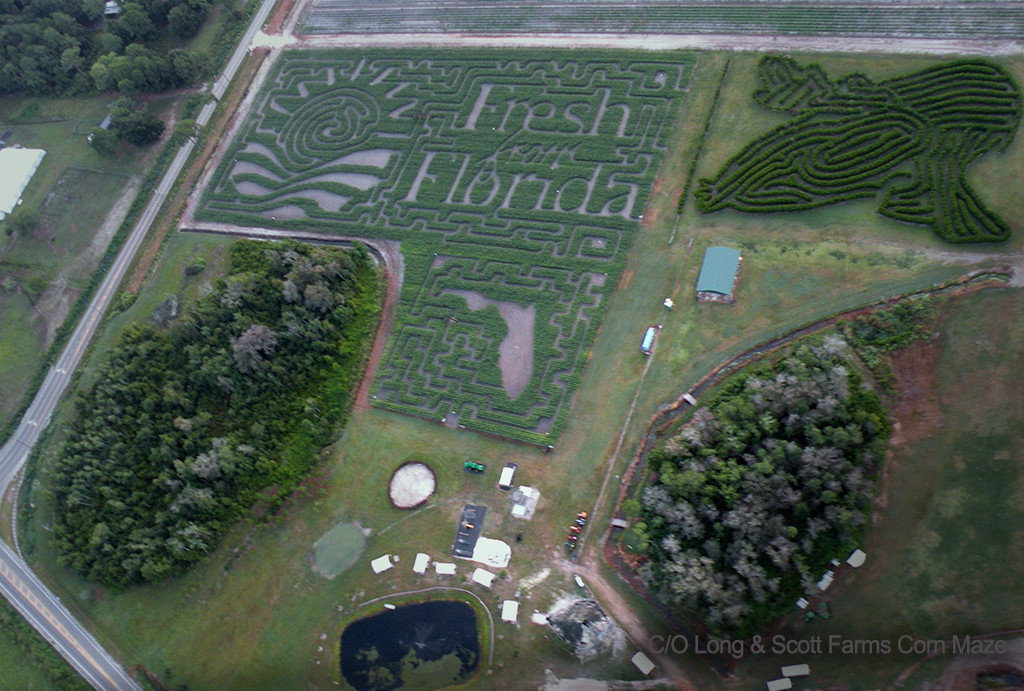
(492, 552)
(796, 670)
(643, 663)
(381, 564)
(17, 166)
(857, 558)
(422, 562)
(510, 611)
(483, 577)
(780, 684)
(539, 618)
(444, 569)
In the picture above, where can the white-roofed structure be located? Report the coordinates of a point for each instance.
(643, 663)
(444, 569)
(492, 552)
(510, 611)
(796, 670)
(422, 562)
(539, 618)
(780, 684)
(483, 577)
(381, 564)
(826, 580)
(857, 558)
(17, 166)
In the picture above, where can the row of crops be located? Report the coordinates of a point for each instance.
(978, 19)
(908, 140)
(519, 180)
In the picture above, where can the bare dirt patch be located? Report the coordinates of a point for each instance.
(917, 414)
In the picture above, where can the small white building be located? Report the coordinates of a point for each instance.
(826, 580)
(483, 577)
(444, 569)
(643, 663)
(381, 564)
(802, 603)
(857, 558)
(796, 670)
(510, 611)
(422, 562)
(780, 684)
(539, 618)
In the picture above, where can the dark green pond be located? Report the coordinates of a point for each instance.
(422, 646)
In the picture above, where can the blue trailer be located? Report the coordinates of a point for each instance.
(648, 341)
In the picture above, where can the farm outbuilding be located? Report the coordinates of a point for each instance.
(717, 279)
(17, 166)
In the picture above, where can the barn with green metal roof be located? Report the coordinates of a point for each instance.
(717, 279)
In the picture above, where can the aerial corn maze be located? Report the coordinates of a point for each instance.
(513, 184)
(907, 140)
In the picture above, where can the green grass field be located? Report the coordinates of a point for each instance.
(259, 603)
(338, 549)
(16, 673)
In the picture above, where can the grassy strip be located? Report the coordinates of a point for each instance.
(700, 142)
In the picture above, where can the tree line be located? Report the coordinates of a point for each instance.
(50, 47)
(761, 488)
(188, 425)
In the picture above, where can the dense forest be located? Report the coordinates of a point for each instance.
(188, 424)
(50, 47)
(762, 487)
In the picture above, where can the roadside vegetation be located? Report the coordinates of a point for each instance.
(29, 661)
(190, 423)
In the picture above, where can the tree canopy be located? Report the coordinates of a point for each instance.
(762, 488)
(188, 424)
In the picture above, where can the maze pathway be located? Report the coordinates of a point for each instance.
(514, 185)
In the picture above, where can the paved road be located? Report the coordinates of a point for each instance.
(17, 582)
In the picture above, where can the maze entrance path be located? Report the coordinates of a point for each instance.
(513, 183)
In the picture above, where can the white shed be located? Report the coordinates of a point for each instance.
(422, 562)
(483, 577)
(857, 558)
(510, 611)
(780, 684)
(381, 564)
(444, 569)
(643, 663)
(18, 166)
(796, 670)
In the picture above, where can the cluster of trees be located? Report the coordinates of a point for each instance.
(762, 488)
(187, 425)
(67, 46)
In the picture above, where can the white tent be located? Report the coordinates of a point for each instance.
(483, 577)
(780, 684)
(17, 166)
(421, 563)
(510, 611)
(857, 558)
(381, 563)
(643, 663)
(796, 670)
(492, 552)
(444, 569)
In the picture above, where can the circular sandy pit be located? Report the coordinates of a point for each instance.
(411, 485)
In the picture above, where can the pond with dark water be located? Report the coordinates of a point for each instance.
(428, 645)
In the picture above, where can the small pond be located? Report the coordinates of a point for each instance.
(428, 645)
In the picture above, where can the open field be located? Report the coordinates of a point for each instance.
(257, 600)
(919, 18)
(514, 186)
(74, 190)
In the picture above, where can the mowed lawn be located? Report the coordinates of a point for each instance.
(259, 604)
(946, 549)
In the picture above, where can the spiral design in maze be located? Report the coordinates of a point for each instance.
(334, 121)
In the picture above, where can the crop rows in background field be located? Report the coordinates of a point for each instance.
(968, 19)
(513, 184)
